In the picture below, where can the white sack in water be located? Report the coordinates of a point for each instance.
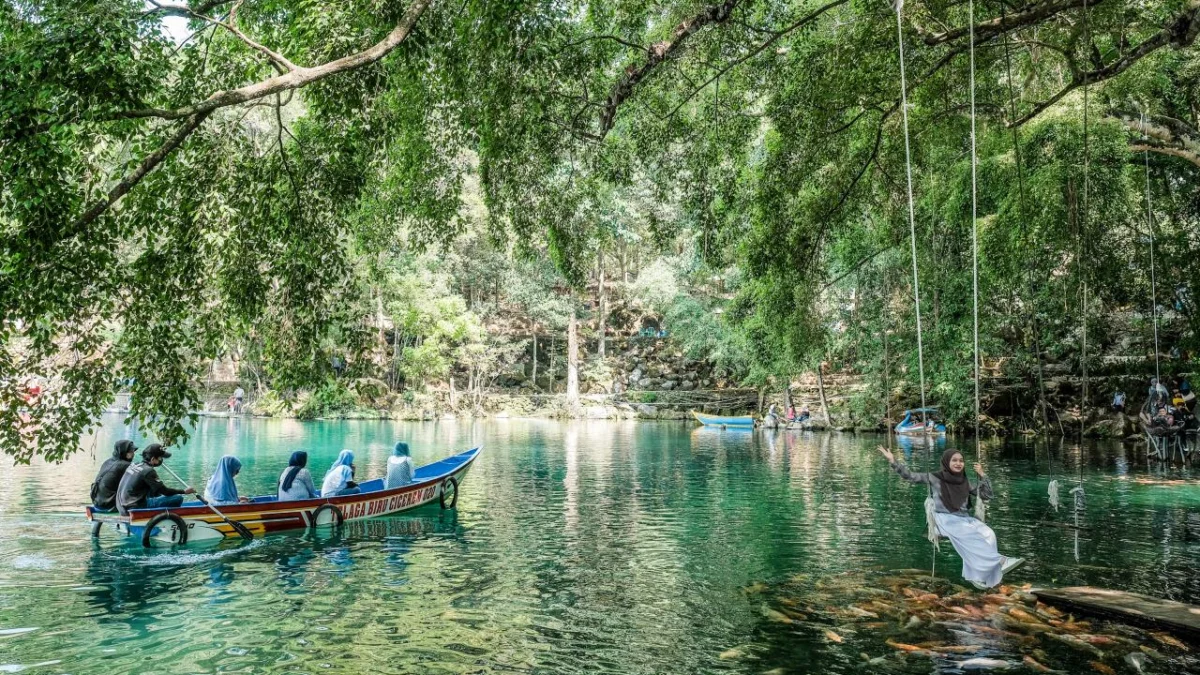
(931, 528)
(1052, 490)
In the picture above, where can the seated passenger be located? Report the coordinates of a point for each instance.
(296, 482)
(108, 479)
(339, 480)
(140, 487)
(221, 489)
(399, 468)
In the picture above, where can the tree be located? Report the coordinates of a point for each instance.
(158, 199)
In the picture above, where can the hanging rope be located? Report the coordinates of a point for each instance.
(1087, 30)
(912, 218)
(1033, 317)
(1078, 491)
(1150, 223)
(931, 529)
(980, 508)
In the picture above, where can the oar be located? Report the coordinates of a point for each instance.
(241, 529)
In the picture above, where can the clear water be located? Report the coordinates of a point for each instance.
(617, 547)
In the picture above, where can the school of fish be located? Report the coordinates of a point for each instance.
(907, 621)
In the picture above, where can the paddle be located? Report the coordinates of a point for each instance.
(241, 529)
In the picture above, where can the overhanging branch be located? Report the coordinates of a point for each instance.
(655, 55)
(196, 114)
(1179, 33)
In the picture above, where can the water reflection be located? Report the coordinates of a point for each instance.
(576, 547)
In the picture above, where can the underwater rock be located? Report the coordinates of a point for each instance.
(1137, 661)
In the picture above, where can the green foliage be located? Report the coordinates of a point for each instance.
(384, 215)
(328, 400)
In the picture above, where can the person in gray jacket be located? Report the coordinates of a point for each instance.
(296, 482)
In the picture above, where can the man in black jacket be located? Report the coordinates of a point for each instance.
(141, 488)
(104, 488)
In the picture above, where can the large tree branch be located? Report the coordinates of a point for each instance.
(183, 10)
(1179, 33)
(1162, 135)
(809, 18)
(277, 59)
(147, 165)
(294, 79)
(196, 114)
(655, 55)
(1007, 22)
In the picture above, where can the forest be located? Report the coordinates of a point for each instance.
(424, 191)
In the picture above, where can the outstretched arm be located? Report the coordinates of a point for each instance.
(900, 468)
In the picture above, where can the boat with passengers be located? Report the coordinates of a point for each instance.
(197, 522)
(921, 422)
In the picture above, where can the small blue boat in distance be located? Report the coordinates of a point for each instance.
(921, 422)
(743, 421)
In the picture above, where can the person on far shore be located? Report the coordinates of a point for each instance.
(339, 480)
(141, 488)
(1118, 403)
(296, 482)
(399, 467)
(239, 396)
(221, 488)
(108, 479)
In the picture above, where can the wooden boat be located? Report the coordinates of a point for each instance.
(195, 522)
(914, 423)
(721, 421)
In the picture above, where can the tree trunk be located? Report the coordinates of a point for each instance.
(379, 320)
(821, 390)
(534, 376)
(395, 358)
(887, 391)
(602, 308)
(787, 397)
(761, 395)
(453, 395)
(550, 375)
(573, 359)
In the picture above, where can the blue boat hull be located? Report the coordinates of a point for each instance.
(745, 421)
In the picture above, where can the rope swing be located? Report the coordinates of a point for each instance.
(980, 508)
(1150, 225)
(931, 529)
(912, 218)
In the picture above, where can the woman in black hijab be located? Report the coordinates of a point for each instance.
(296, 482)
(948, 505)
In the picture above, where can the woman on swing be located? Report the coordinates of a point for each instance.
(983, 565)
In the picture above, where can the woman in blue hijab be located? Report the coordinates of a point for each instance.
(296, 482)
(221, 489)
(339, 480)
(399, 467)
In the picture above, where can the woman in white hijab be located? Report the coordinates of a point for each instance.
(339, 480)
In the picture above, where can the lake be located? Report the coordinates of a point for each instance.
(620, 547)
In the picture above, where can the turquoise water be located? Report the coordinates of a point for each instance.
(619, 547)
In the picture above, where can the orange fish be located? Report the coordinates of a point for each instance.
(1101, 668)
(1169, 641)
(833, 637)
(1021, 615)
(902, 647)
(1033, 663)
